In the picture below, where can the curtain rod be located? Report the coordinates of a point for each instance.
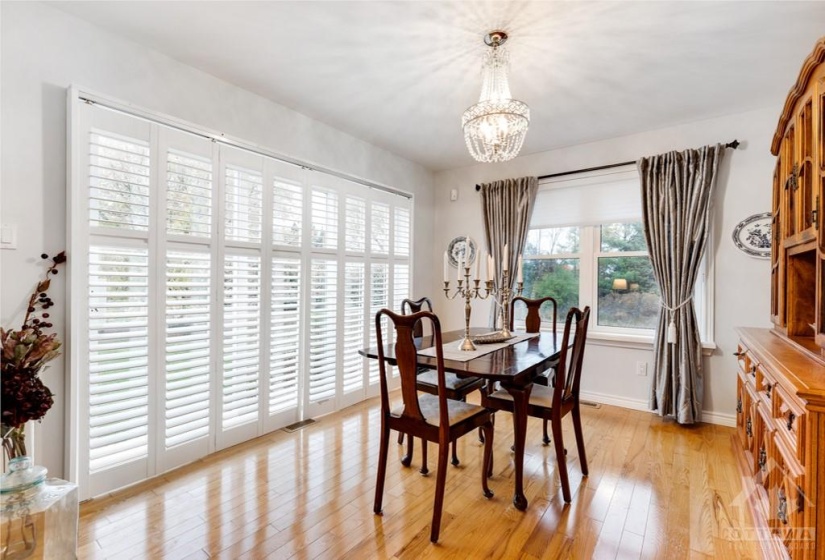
(732, 145)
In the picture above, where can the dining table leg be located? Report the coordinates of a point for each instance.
(521, 398)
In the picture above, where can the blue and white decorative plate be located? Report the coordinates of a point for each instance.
(753, 235)
(458, 246)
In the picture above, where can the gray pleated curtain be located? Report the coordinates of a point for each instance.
(507, 206)
(676, 202)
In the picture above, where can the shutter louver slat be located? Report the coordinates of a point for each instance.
(118, 182)
(324, 219)
(187, 360)
(118, 388)
(188, 194)
(354, 308)
(241, 340)
(323, 330)
(380, 229)
(284, 334)
(287, 213)
(401, 231)
(243, 204)
(379, 298)
(356, 225)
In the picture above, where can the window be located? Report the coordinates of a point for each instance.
(586, 246)
(217, 294)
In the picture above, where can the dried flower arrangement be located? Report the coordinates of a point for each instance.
(25, 352)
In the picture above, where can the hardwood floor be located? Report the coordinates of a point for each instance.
(655, 490)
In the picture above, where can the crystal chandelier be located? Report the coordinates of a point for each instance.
(495, 127)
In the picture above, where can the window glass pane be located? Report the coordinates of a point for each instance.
(552, 241)
(558, 278)
(628, 293)
(623, 237)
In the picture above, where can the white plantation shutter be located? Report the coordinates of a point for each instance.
(241, 340)
(401, 232)
(380, 229)
(356, 225)
(216, 293)
(323, 329)
(287, 209)
(187, 349)
(324, 219)
(243, 200)
(354, 318)
(285, 330)
(188, 194)
(379, 299)
(400, 285)
(118, 181)
(118, 356)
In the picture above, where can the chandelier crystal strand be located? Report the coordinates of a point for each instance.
(495, 127)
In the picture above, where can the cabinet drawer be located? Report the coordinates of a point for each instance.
(765, 383)
(789, 418)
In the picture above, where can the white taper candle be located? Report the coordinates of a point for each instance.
(446, 269)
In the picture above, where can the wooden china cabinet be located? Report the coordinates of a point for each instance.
(780, 409)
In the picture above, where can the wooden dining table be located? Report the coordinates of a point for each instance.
(514, 367)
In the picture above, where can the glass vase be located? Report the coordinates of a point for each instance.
(39, 515)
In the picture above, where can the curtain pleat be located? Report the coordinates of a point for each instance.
(676, 201)
(507, 206)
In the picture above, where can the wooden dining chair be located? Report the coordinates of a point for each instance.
(432, 418)
(554, 403)
(533, 324)
(456, 387)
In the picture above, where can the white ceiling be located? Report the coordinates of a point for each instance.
(399, 74)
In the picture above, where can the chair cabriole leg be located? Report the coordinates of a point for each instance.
(486, 465)
(382, 468)
(561, 460)
(440, 479)
(577, 428)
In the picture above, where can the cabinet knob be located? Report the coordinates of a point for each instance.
(768, 389)
(739, 405)
(791, 418)
(763, 458)
(740, 354)
(749, 427)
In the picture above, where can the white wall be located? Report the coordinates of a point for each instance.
(45, 50)
(742, 282)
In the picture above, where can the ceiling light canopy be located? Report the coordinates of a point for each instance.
(495, 127)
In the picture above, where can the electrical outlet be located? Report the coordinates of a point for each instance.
(641, 369)
(453, 194)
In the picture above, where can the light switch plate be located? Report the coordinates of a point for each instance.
(453, 194)
(8, 237)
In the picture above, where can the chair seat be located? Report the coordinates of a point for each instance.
(452, 382)
(540, 395)
(457, 411)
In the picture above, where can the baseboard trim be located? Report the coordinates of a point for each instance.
(623, 402)
(708, 417)
(719, 418)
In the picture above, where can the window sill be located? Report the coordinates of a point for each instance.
(638, 342)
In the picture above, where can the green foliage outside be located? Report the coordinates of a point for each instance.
(637, 306)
